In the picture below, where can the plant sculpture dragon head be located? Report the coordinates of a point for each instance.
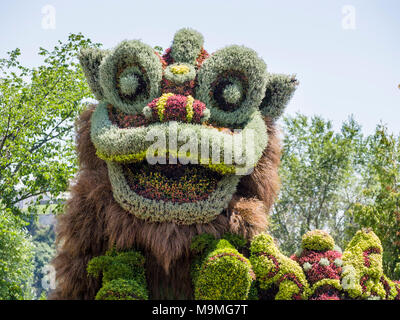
(179, 131)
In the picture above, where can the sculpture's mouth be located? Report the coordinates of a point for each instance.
(164, 170)
(184, 194)
(175, 183)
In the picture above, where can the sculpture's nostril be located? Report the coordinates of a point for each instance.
(176, 107)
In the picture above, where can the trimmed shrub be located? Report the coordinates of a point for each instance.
(123, 275)
(122, 289)
(224, 274)
(321, 265)
(363, 276)
(186, 45)
(317, 240)
(272, 268)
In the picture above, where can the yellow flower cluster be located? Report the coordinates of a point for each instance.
(180, 69)
(161, 104)
(189, 108)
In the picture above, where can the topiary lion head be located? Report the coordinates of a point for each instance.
(190, 101)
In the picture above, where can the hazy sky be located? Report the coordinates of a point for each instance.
(346, 54)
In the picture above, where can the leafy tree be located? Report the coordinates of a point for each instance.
(16, 263)
(379, 208)
(43, 252)
(318, 181)
(38, 106)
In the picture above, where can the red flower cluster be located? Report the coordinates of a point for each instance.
(167, 57)
(162, 60)
(185, 89)
(198, 111)
(202, 56)
(320, 271)
(363, 280)
(175, 109)
(123, 120)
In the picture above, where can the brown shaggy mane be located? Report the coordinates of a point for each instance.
(93, 222)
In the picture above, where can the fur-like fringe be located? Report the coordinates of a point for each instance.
(264, 181)
(93, 222)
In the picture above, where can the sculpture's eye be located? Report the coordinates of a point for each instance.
(130, 76)
(229, 90)
(131, 82)
(232, 84)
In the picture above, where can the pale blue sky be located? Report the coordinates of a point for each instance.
(341, 72)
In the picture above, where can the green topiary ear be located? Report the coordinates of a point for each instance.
(279, 91)
(186, 46)
(90, 59)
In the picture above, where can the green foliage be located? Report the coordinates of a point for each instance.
(201, 243)
(123, 275)
(354, 253)
(253, 292)
(232, 93)
(340, 182)
(318, 240)
(139, 60)
(16, 258)
(90, 59)
(362, 268)
(224, 274)
(129, 83)
(280, 89)
(159, 50)
(233, 64)
(122, 289)
(44, 252)
(379, 207)
(186, 45)
(319, 181)
(38, 107)
(272, 268)
(236, 240)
